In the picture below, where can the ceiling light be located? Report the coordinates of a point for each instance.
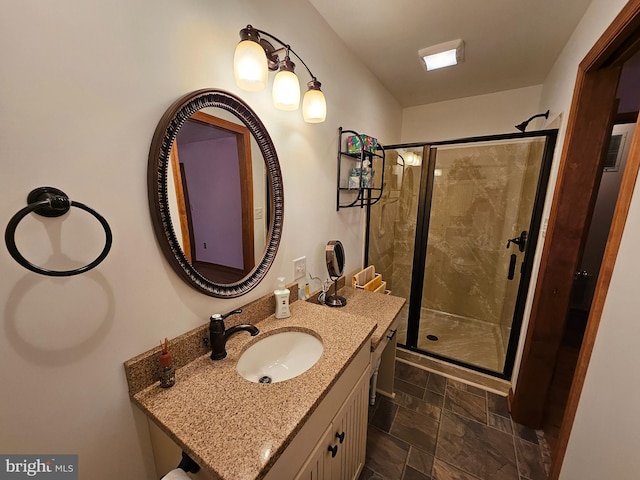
(255, 56)
(442, 55)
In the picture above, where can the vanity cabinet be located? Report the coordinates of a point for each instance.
(344, 410)
(383, 362)
(340, 454)
(341, 414)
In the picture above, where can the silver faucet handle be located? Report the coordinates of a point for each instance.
(216, 323)
(230, 313)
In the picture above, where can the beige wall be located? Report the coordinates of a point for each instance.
(471, 116)
(83, 86)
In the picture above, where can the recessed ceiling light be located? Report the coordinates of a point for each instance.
(442, 55)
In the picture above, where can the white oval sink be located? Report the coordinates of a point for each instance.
(279, 357)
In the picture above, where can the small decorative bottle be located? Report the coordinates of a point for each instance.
(167, 372)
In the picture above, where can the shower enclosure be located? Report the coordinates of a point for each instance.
(455, 233)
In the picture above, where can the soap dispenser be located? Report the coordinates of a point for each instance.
(282, 299)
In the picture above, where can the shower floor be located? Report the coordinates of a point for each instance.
(463, 339)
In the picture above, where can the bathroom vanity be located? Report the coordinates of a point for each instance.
(307, 427)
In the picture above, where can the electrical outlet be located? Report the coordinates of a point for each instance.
(299, 267)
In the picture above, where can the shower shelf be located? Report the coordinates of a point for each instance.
(360, 195)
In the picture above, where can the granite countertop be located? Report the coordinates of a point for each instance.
(382, 308)
(237, 429)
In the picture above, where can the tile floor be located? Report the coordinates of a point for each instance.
(442, 429)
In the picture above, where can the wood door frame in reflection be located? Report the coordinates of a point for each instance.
(242, 136)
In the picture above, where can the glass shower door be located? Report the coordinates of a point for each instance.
(475, 239)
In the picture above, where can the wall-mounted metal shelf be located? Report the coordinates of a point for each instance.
(365, 190)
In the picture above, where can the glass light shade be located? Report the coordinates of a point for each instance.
(314, 106)
(286, 91)
(412, 159)
(250, 67)
(441, 60)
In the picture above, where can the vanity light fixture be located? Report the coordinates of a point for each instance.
(442, 55)
(255, 56)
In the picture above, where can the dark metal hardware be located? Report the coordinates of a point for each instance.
(188, 465)
(521, 241)
(51, 202)
(523, 126)
(333, 450)
(340, 436)
(364, 195)
(218, 335)
(512, 266)
(392, 333)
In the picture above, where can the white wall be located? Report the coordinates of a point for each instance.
(83, 86)
(489, 114)
(604, 441)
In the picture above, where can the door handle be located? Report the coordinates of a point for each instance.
(521, 241)
(512, 266)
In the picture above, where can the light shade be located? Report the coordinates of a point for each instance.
(442, 55)
(412, 159)
(314, 105)
(250, 67)
(286, 91)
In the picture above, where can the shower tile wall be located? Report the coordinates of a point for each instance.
(482, 196)
(393, 227)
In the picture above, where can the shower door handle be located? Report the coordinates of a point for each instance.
(512, 266)
(521, 241)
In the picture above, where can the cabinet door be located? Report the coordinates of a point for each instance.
(349, 434)
(317, 466)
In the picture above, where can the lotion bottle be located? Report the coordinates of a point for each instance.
(282, 300)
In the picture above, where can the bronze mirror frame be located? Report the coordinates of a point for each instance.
(157, 174)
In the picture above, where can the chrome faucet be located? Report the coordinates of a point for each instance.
(218, 335)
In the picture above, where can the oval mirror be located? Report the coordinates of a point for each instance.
(215, 193)
(334, 255)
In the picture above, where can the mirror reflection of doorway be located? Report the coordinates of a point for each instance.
(472, 237)
(212, 169)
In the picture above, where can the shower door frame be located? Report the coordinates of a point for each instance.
(430, 150)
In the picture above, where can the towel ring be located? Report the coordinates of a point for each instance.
(51, 202)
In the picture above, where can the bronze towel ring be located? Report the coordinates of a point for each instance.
(51, 202)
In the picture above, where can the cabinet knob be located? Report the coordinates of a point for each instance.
(392, 334)
(333, 450)
(340, 436)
